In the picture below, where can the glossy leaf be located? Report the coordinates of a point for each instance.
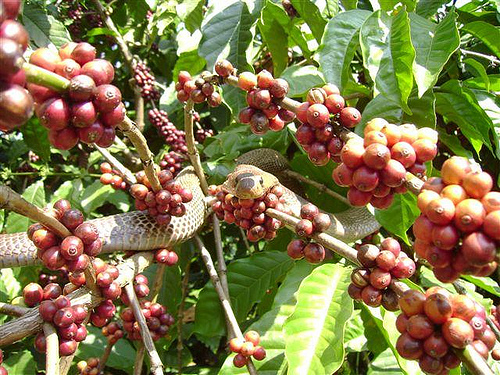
(427, 8)
(36, 138)
(35, 194)
(302, 78)
(311, 15)
(384, 364)
(20, 363)
(423, 109)
(42, 27)
(275, 36)
(314, 333)
(487, 33)
(94, 196)
(478, 70)
(339, 43)
(434, 44)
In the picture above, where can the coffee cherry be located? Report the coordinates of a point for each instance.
(101, 71)
(44, 239)
(107, 98)
(367, 255)
(430, 365)
(380, 279)
(454, 170)
(342, 175)
(478, 249)
(253, 337)
(81, 88)
(260, 353)
(40, 342)
(360, 277)
(321, 222)
(278, 88)
(491, 225)
(64, 317)
(386, 260)
(83, 53)
(314, 253)
(16, 106)
(408, 347)
(392, 245)
(435, 345)
(457, 333)
(45, 58)
(393, 174)
(420, 326)
(440, 211)
(349, 117)
(463, 307)
(67, 347)
(87, 232)
(247, 81)
(304, 228)
(295, 249)
(390, 300)
(425, 150)
(51, 291)
(402, 323)
(491, 201)
(240, 360)
(469, 215)
(477, 184)
(371, 296)
(412, 302)
(72, 219)
(354, 292)
(438, 308)
(71, 247)
(32, 294)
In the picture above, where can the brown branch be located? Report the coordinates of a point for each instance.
(139, 109)
(226, 306)
(156, 365)
(90, 279)
(13, 310)
(52, 351)
(322, 188)
(105, 356)
(221, 264)
(141, 145)
(129, 156)
(180, 317)
(127, 175)
(139, 358)
(194, 156)
(157, 282)
(31, 322)
(11, 200)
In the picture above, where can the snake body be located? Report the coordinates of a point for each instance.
(138, 231)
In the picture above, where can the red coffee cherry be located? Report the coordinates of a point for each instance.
(278, 88)
(463, 307)
(412, 302)
(240, 360)
(107, 98)
(314, 252)
(478, 249)
(491, 225)
(51, 291)
(64, 317)
(101, 71)
(455, 193)
(349, 117)
(391, 245)
(454, 170)
(380, 279)
(81, 88)
(477, 184)
(430, 365)
(402, 322)
(71, 247)
(440, 211)
(367, 255)
(435, 345)
(408, 347)
(390, 300)
(376, 156)
(32, 294)
(260, 353)
(469, 215)
(360, 277)
(67, 347)
(40, 343)
(253, 337)
(457, 333)
(371, 296)
(438, 308)
(420, 326)
(72, 218)
(295, 249)
(491, 201)
(386, 260)
(83, 53)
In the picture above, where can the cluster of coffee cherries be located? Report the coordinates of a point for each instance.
(16, 105)
(58, 277)
(91, 109)
(247, 348)
(375, 168)
(370, 283)
(312, 221)
(172, 161)
(264, 112)
(68, 321)
(113, 332)
(145, 79)
(434, 323)
(33, 293)
(458, 231)
(167, 257)
(202, 134)
(3, 371)
(174, 138)
(322, 115)
(249, 214)
(103, 313)
(197, 89)
(88, 367)
(72, 251)
(111, 177)
(165, 203)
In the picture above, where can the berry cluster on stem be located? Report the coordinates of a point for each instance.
(145, 79)
(197, 89)
(112, 177)
(246, 348)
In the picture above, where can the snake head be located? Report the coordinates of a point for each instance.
(248, 182)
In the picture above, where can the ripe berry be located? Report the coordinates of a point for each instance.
(380, 279)
(393, 174)
(430, 365)
(101, 71)
(278, 88)
(386, 260)
(438, 308)
(51, 291)
(376, 156)
(64, 317)
(371, 296)
(440, 211)
(491, 201)
(420, 326)
(408, 347)
(425, 150)
(253, 337)
(318, 115)
(367, 255)
(412, 302)
(491, 225)
(247, 349)
(40, 342)
(314, 252)
(83, 53)
(391, 245)
(457, 333)
(304, 228)
(71, 247)
(477, 184)
(32, 294)
(349, 117)
(435, 345)
(240, 360)
(260, 353)
(321, 222)
(478, 249)
(107, 98)
(72, 218)
(360, 277)
(402, 323)
(247, 81)
(365, 179)
(454, 170)
(81, 88)
(295, 249)
(67, 347)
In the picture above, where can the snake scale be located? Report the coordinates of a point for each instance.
(138, 231)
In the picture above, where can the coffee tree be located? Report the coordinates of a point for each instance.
(338, 159)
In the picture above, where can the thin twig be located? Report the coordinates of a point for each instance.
(127, 175)
(157, 282)
(13, 310)
(11, 200)
(139, 358)
(129, 156)
(141, 145)
(180, 317)
(322, 188)
(41, 76)
(226, 306)
(192, 151)
(221, 263)
(474, 361)
(105, 356)
(52, 352)
(492, 59)
(245, 240)
(139, 109)
(156, 365)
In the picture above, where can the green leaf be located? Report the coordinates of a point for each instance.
(120, 200)
(302, 78)
(69, 190)
(400, 216)
(248, 280)
(340, 41)
(428, 8)
(35, 194)
(479, 70)
(384, 364)
(314, 333)
(189, 61)
(355, 339)
(122, 355)
(275, 37)
(43, 28)
(478, 83)
(9, 284)
(20, 363)
(486, 283)
(312, 16)
(227, 33)
(94, 196)
(459, 105)
(487, 33)
(434, 44)
(36, 138)
(382, 107)
(423, 109)
(270, 325)
(191, 12)
(490, 104)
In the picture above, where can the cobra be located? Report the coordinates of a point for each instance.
(256, 172)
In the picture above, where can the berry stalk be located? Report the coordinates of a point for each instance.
(44, 77)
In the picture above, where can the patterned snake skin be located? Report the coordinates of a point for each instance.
(138, 231)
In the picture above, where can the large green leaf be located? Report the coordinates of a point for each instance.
(227, 33)
(399, 217)
(428, 8)
(302, 78)
(191, 12)
(248, 280)
(311, 15)
(275, 37)
(35, 194)
(339, 43)
(94, 196)
(20, 363)
(434, 44)
(314, 333)
(380, 106)
(389, 55)
(270, 325)
(384, 364)
(36, 138)
(9, 284)
(459, 105)
(486, 283)
(43, 28)
(423, 109)
(487, 33)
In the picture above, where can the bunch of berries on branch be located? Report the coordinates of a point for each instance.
(264, 93)
(112, 177)
(91, 109)
(375, 168)
(249, 214)
(174, 138)
(59, 277)
(322, 115)
(165, 203)
(68, 321)
(458, 232)
(312, 221)
(88, 367)
(370, 283)
(16, 105)
(72, 251)
(167, 257)
(197, 89)
(113, 332)
(172, 161)
(3, 370)
(249, 347)
(202, 134)
(146, 81)
(103, 313)
(433, 324)
(106, 275)
(34, 294)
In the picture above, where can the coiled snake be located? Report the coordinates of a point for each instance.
(138, 231)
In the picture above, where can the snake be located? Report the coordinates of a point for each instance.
(138, 231)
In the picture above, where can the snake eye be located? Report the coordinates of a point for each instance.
(261, 181)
